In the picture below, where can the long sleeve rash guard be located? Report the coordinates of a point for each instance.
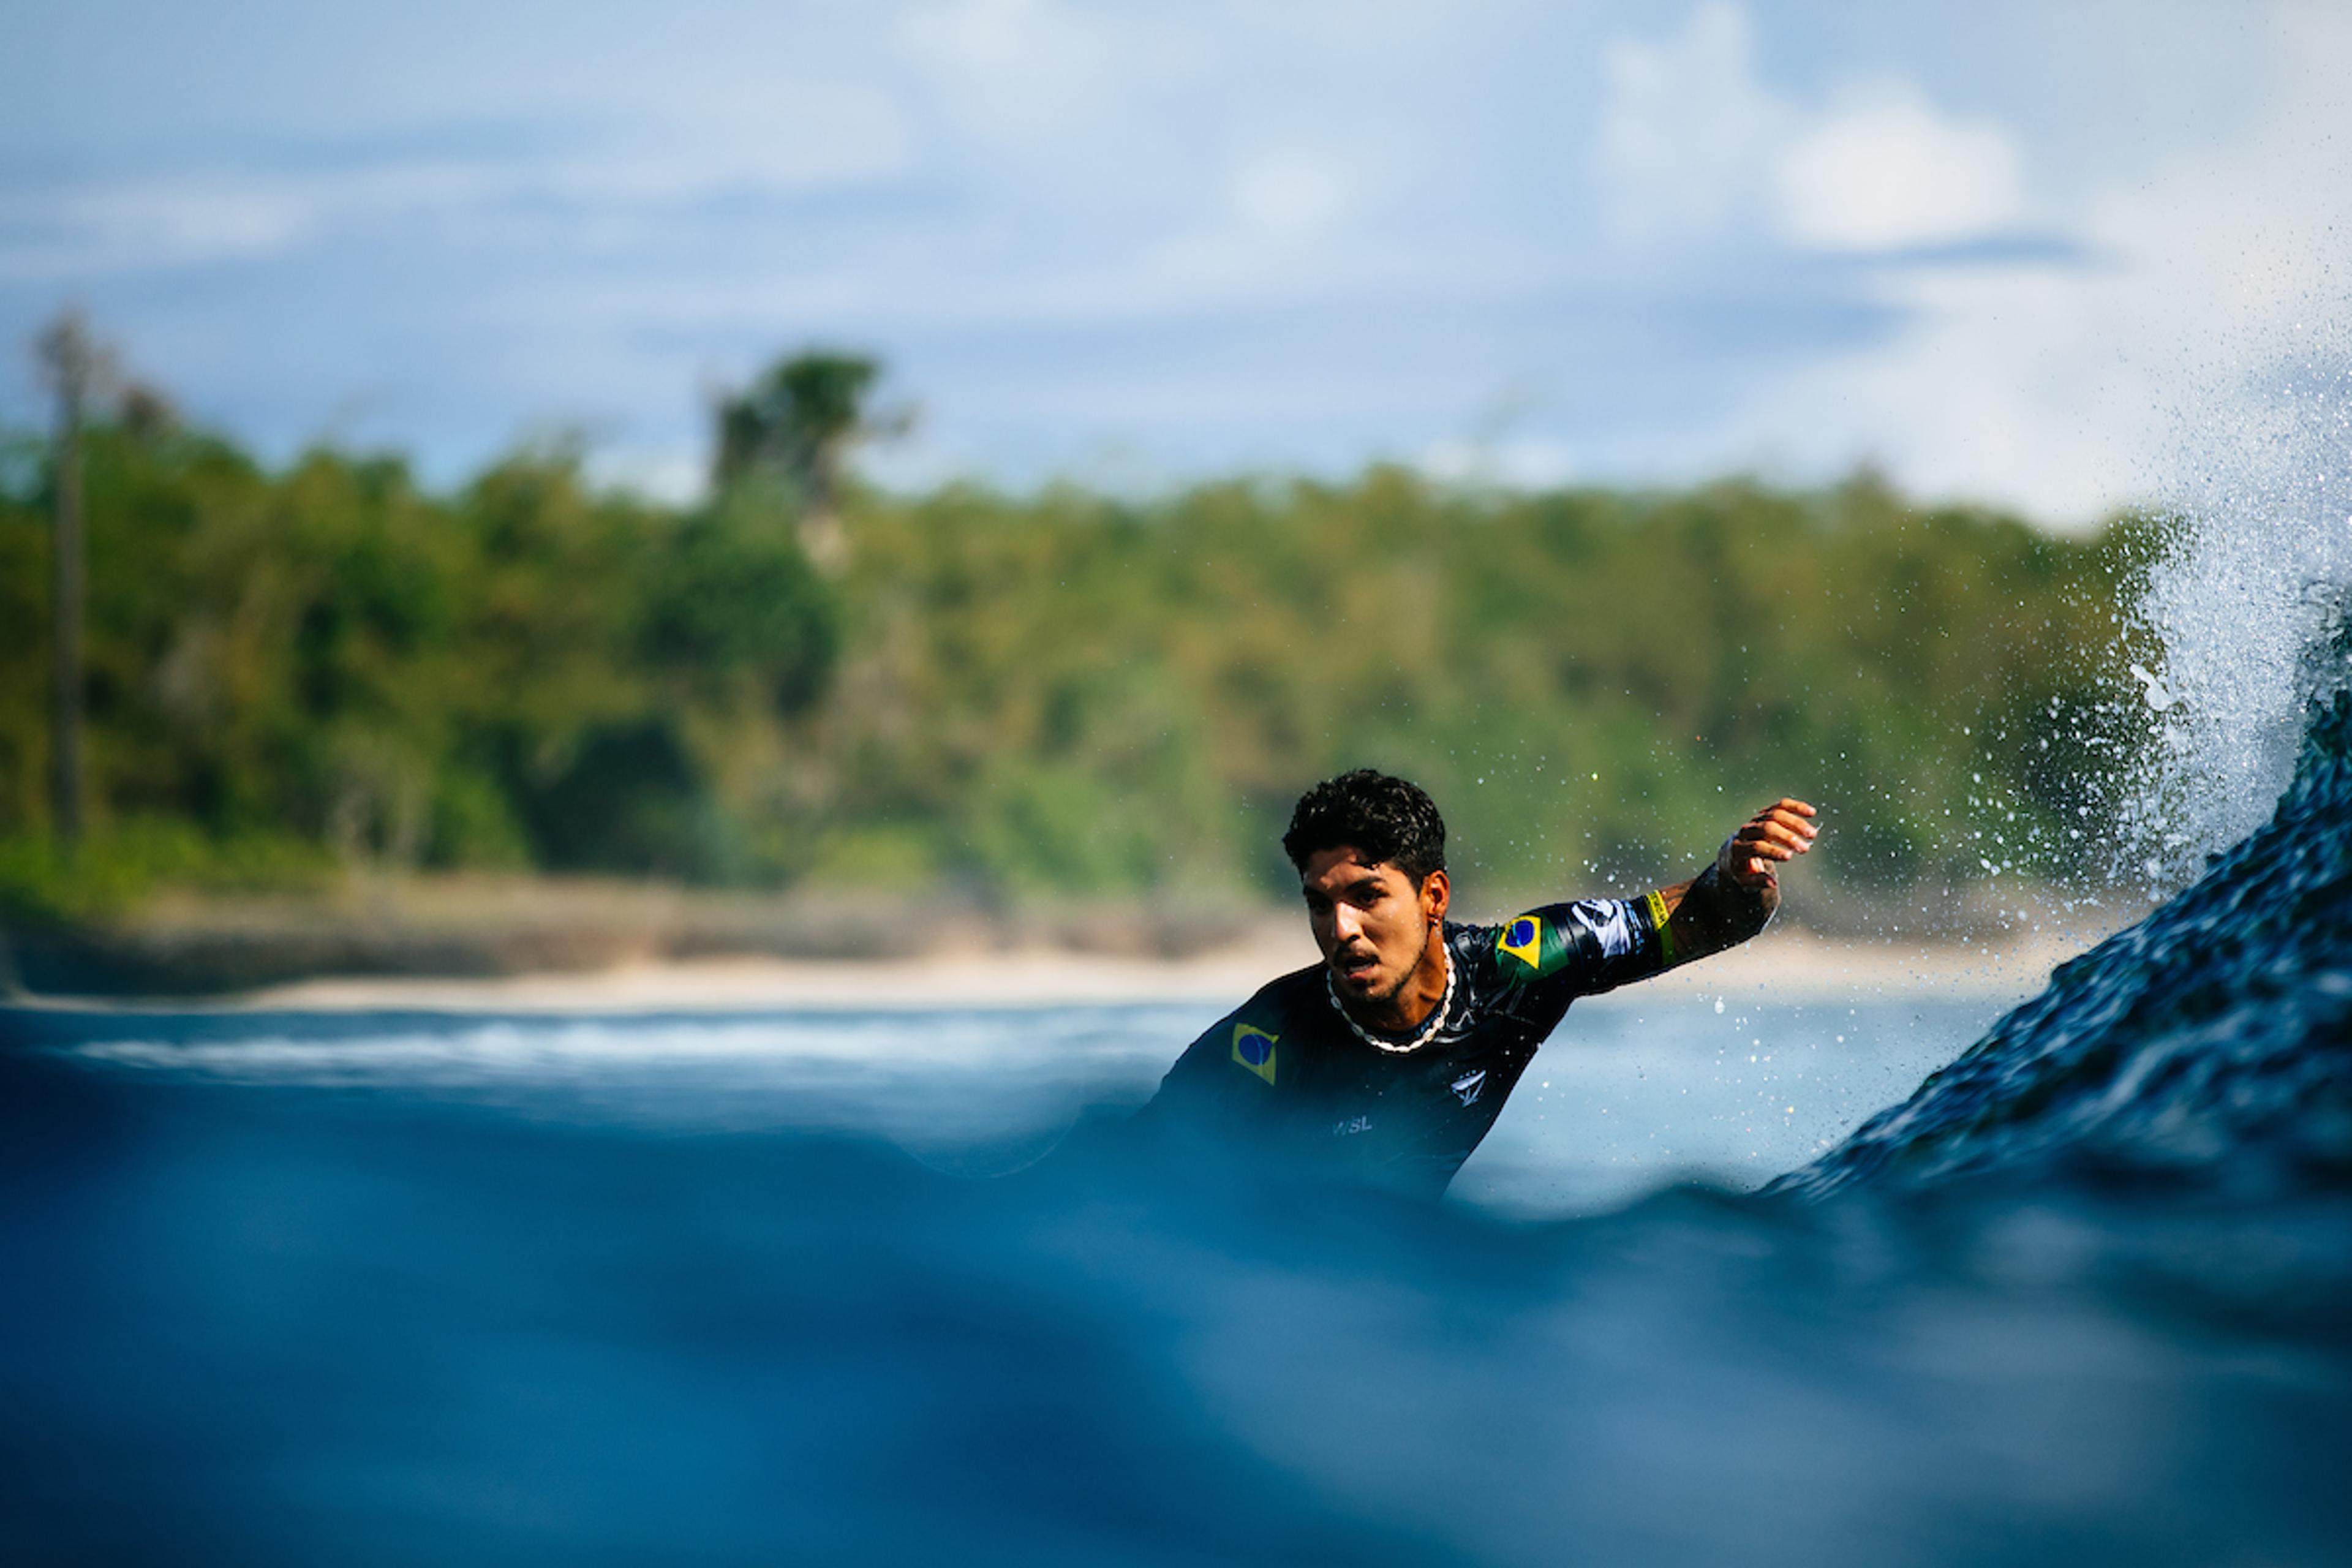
(1285, 1069)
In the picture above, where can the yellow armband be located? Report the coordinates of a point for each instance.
(1659, 914)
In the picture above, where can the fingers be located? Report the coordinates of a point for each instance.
(1779, 840)
(1779, 833)
(1796, 839)
(1788, 820)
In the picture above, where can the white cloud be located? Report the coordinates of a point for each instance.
(1686, 127)
(792, 139)
(151, 221)
(1882, 170)
(1289, 195)
(1024, 71)
(786, 138)
(2070, 388)
(76, 232)
(1694, 142)
(1281, 209)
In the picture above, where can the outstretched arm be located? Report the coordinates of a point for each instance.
(1731, 902)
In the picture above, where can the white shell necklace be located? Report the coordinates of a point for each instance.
(1429, 1028)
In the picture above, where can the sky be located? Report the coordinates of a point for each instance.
(2007, 252)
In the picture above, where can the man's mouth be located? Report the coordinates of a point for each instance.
(1356, 968)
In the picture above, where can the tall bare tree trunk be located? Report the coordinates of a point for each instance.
(72, 360)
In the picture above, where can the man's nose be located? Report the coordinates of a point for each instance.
(1346, 922)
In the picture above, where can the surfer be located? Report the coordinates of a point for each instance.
(1392, 1057)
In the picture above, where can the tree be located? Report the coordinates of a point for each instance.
(798, 425)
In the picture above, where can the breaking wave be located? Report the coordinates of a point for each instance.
(2210, 1044)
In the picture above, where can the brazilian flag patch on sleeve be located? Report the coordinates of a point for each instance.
(1253, 1048)
(1531, 946)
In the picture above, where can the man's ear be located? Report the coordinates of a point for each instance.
(1436, 894)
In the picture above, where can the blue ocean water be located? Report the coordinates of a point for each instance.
(1638, 1090)
(835, 1288)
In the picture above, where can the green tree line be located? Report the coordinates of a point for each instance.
(327, 665)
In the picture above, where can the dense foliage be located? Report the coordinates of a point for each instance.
(1061, 693)
(1072, 692)
(524, 673)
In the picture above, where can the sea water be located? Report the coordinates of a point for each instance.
(1634, 1091)
(818, 1288)
(847, 1288)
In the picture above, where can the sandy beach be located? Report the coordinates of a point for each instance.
(1787, 962)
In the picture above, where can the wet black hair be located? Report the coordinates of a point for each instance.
(1385, 819)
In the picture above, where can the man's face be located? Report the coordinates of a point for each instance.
(1370, 921)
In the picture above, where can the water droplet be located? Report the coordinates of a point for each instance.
(2159, 696)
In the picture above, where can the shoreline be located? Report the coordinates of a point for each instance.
(1793, 964)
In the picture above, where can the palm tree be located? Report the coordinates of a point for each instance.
(798, 425)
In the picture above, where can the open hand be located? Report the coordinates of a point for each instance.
(1782, 831)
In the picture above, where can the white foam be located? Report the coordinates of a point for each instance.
(2253, 578)
(936, 1084)
(535, 1050)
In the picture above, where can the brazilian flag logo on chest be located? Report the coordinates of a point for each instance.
(1531, 946)
(1253, 1048)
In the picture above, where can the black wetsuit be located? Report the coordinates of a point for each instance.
(1285, 1069)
